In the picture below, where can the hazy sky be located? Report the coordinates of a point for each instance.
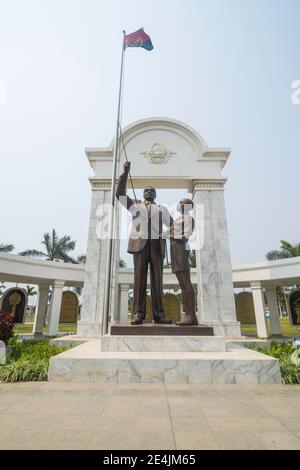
(225, 67)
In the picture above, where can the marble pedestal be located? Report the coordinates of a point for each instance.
(207, 360)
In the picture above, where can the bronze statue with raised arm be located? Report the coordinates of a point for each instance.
(147, 246)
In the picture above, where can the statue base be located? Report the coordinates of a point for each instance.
(150, 329)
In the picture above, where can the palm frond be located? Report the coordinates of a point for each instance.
(47, 242)
(122, 263)
(6, 248)
(66, 244)
(33, 253)
(81, 259)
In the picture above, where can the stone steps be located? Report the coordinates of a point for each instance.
(88, 363)
(163, 343)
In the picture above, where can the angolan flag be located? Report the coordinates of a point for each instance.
(138, 39)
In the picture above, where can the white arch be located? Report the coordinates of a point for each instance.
(163, 123)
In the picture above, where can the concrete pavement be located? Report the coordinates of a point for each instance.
(44, 415)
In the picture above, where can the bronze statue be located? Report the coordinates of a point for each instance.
(147, 246)
(180, 231)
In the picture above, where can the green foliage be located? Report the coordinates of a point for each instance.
(284, 352)
(21, 328)
(290, 373)
(192, 257)
(278, 349)
(56, 249)
(28, 361)
(6, 326)
(24, 370)
(30, 290)
(287, 250)
(6, 248)
(81, 259)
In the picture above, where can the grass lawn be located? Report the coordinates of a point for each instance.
(21, 328)
(286, 328)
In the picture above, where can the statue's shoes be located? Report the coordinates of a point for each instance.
(137, 320)
(163, 321)
(188, 321)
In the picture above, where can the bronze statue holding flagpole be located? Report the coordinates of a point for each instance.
(137, 39)
(147, 242)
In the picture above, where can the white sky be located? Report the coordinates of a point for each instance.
(225, 67)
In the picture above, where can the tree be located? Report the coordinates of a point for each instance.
(81, 259)
(122, 263)
(30, 290)
(287, 250)
(6, 248)
(57, 249)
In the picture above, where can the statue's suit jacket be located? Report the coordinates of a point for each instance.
(147, 221)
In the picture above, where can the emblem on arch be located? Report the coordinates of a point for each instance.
(158, 154)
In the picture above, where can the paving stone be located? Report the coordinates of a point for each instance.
(148, 416)
(239, 441)
(186, 440)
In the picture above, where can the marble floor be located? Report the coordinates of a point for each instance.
(51, 415)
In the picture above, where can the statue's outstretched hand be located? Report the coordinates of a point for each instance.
(127, 167)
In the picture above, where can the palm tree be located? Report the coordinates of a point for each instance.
(287, 250)
(6, 248)
(81, 259)
(30, 290)
(56, 248)
(122, 263)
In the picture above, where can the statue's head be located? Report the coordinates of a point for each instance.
(185, 205)
(149, 193)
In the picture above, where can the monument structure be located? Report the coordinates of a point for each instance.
(164, 153)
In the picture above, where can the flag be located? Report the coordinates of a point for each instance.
(138, 39)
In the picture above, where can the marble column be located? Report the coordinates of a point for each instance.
(41, 309)
(259, 309)
(216, 305)
(274, 310)
(55, 306)
(115, 310)
(95, 268)
(123, 302)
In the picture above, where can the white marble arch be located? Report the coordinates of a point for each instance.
(166, 154)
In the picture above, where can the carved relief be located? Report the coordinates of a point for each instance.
(158, 154)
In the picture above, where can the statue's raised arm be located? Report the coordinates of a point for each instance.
(121, 195)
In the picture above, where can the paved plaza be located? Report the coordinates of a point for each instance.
(45, 415)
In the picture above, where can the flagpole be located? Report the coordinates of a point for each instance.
(105, 314)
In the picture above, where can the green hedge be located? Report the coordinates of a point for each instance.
(28, 361)
(290, 371)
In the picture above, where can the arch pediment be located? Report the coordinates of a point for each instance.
(168, 152)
